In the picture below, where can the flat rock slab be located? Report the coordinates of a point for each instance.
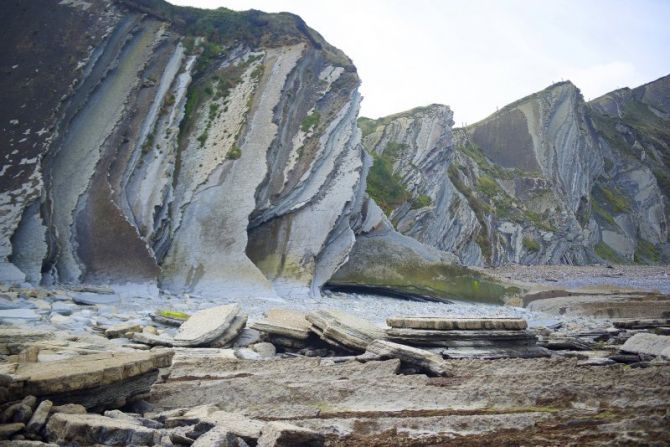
(206, 325)
(468, 338)
(447, 324)
(88, 298)
(19, 314)
(92, 429)
(85, 371)
(284, 323)
(432, 363)
(651, 344)
(342, 329)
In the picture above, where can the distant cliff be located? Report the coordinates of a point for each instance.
(547, 179)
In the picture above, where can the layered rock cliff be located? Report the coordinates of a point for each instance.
(547, 179)
(197, 150)
(203, 151)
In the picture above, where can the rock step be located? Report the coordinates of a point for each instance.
(465, 338)
(447, 324)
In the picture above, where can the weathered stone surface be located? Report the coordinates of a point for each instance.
(120, 330)
(282, 434)
(206, 325)
(39, 417)
(634, 305)
(285, 323)
(652, 344)
(344, 329)
(446, 323)
(426, 360)
(89, 429)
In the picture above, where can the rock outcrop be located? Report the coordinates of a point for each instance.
(547, 179)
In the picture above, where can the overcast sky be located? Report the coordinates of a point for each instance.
(477, 55)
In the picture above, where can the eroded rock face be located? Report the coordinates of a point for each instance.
(547, 179)
(230, 162)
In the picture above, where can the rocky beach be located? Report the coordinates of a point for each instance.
(89, 365)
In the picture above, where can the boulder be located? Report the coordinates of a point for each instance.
(230, 334)
(206, 325)
(652, 344)
(39, 417)
(426, 360)
(344, 330)
(446, 324)
(282, 434)
(284, 323)
(87, 429)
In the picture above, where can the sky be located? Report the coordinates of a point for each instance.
(479, 55)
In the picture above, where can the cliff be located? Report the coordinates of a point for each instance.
(547, 179)
(204, 151)
(194, 149)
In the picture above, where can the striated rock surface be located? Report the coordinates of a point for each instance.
(547, 179)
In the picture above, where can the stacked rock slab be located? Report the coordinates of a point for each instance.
(285, 327)
(344, 330)
(466, 337)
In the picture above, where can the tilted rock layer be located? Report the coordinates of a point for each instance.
(547, 179)
(194, 149)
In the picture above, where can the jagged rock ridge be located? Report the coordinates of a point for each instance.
(547, 179)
